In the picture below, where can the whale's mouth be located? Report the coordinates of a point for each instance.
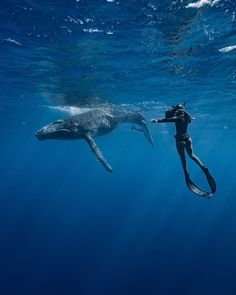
(55, 130)
(57, 134)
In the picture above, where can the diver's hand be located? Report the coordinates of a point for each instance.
(154, 120)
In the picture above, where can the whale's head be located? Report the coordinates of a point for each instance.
(59, 129)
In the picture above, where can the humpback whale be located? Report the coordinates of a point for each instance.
(90, 124)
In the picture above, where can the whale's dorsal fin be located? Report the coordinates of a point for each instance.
(96, 150)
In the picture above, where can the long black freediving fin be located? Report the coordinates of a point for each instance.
(210, 180)
(197, 190)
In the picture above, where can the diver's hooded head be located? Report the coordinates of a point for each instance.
(175, 110)
(179, 107)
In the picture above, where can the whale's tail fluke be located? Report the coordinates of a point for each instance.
(138, 119)
(146, 131)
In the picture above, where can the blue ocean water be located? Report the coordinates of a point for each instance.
(69, 227)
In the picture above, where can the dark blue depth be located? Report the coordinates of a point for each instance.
(67, 226)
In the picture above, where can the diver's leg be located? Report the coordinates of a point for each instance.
(180, 149)
(210, 179)
(189, 149)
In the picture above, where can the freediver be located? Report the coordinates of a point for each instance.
(182, 118)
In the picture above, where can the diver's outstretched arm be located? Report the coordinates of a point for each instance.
(154, 120)
(165, 120)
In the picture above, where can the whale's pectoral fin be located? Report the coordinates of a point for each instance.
(95, 149)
